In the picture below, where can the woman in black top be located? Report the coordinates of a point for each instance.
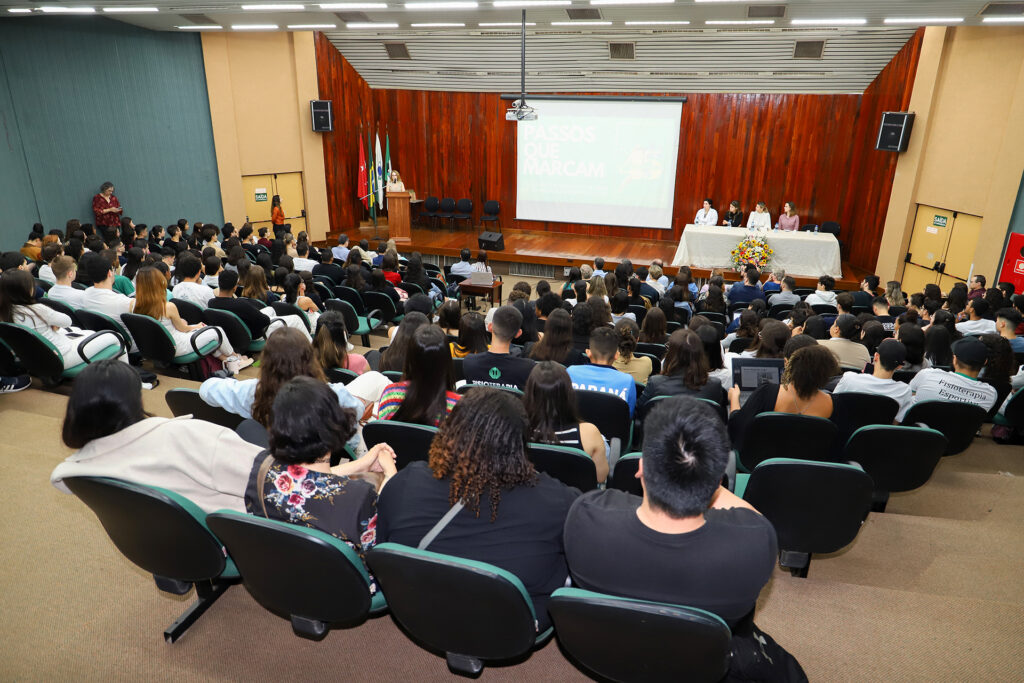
(394, 357)
(733, 217)
(354, 278)
(635, 298)
(653, 329)
(550, 404)
(684, 371)
(558, 341)
(513, 516)
(380, 284)
(582, 325)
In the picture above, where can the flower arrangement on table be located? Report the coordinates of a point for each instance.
(753, 250)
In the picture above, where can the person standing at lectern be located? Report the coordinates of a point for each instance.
(395, 183)
(788, 221)
(707, 215)
(733, 217)
(106, 208)
(760, 219)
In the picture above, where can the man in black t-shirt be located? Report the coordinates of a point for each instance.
(880, 306)
(329, 268)
(496, 367)
(225, 300)
(688, 541)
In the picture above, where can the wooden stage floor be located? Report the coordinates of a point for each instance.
(558, 249)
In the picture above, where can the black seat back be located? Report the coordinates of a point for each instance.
(322, 583)
(447, 205)
(635, 640)
(238, 333)
(780, 311)
(571, 466)
(187, 402)
(824, 309)
(159, 531)
(609, 413)
(958, 422)
(352, 297)
(639, 312)
(896, 458)
(464, 206)
(431, 204)
(782, 435)
(252, 431)
(96, 322)
(383, 303)
(153, 340)
(852, 410)
(62, 307)
(653, 349)
(740, 344)
(191, 313)
(491, 209)
(40, 359)
(624, 475)
(285, 308)
(411, 442)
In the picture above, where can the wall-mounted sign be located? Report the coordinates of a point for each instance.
(932, 230)
(940, 221)
(261, 195)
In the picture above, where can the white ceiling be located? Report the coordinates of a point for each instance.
(693, 57)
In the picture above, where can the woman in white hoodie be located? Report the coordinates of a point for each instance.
(824, 293)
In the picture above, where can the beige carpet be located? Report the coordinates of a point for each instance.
(930, 591)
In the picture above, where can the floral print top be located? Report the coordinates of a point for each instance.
(342, 507)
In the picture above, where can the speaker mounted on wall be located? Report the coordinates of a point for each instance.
(323, 118)
(894, 133)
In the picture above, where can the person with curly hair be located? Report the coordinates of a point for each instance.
(511, 517)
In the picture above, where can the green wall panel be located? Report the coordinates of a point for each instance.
(84, 100)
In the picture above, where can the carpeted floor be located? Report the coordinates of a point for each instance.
(930, 591)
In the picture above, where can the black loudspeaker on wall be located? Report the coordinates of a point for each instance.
(323, 119)
(491, 241)
(894, 133)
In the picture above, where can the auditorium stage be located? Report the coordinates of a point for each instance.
(556, 250)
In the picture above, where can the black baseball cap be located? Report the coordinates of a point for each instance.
(971, 350)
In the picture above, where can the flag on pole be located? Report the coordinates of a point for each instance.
(373, 176)
(387, 159)
(378, 159)
(362, 187)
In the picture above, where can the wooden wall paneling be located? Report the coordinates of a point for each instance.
(814, 150)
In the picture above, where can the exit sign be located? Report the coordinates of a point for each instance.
(261, 195)
(940, 221)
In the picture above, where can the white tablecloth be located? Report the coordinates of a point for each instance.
(807, 254)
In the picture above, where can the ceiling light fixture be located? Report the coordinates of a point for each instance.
(581, 23)
(531, 3)
(632, 2)
(355, 5)
(438, 25)
(363, 24)
(738, 22)
(280, 7)
(67, 10)
(253, 27)
(130, 10)
(828, 22)
(1003, 20)
(923, 20)
(310, 27)
(20, 10)
(495, 24)
(201, 27)
(656, 23)
(441, 5)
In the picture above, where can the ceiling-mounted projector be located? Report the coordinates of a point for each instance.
(520, 111)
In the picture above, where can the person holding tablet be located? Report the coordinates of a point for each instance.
(707, 215)
(733, 217)
(760, 219)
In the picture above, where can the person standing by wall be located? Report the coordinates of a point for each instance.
(106, 208)
(277, 215)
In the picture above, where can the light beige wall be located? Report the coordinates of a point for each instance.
(259, 86)
(966, 151)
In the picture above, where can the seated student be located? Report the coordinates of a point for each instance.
(463, 267)
(513, 516)
(684, 371)
(976, 287)
(105, 420)
(549, 302)
(189, 288)
(393, 357)
(256, 320)
(211, 269)
(866, 295)
(33, 246)
(472, 335)
(287, 355)
(823, 294)
(600, 375)
(302, 262)
(806, 374)
(598, 268)
(557, 343)
(969, 357)
(656, 279)
(49, 253)
(101, 297)
(687, 541)
(647, 290)
(845, 345)
(294, 482)
(844, 303)
(913, 339)
(774, 282)
(389, 265)
(64, 271)
(295, 293)
(888, 358)
(785, 294)
(550, 404)
(1007, 321)
(747, 290)
(254, 287)
(977, 322)
(653, 331)
(747, 325)
(330, 342)
(497, 367)
(341, 249)
(880, 307)
(620, 307)
(328, 268)
(18, 305)
(426, 394)
(637, 367)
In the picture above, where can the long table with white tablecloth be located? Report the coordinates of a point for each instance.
(808, 254)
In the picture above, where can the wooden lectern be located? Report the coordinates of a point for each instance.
(398, 217)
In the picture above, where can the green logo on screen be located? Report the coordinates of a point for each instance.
(495, 373)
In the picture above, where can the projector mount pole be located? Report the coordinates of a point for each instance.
(522, 66)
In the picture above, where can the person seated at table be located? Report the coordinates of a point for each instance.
(785, 295)
(707, 215)
(788, 220)
(760, 219)
(824, 293)
(733, 217)
(747, 290)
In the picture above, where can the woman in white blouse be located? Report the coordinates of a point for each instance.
(707, 215)
(760, 219)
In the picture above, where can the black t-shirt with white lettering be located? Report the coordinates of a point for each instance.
(719, 567)
(497, 369)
